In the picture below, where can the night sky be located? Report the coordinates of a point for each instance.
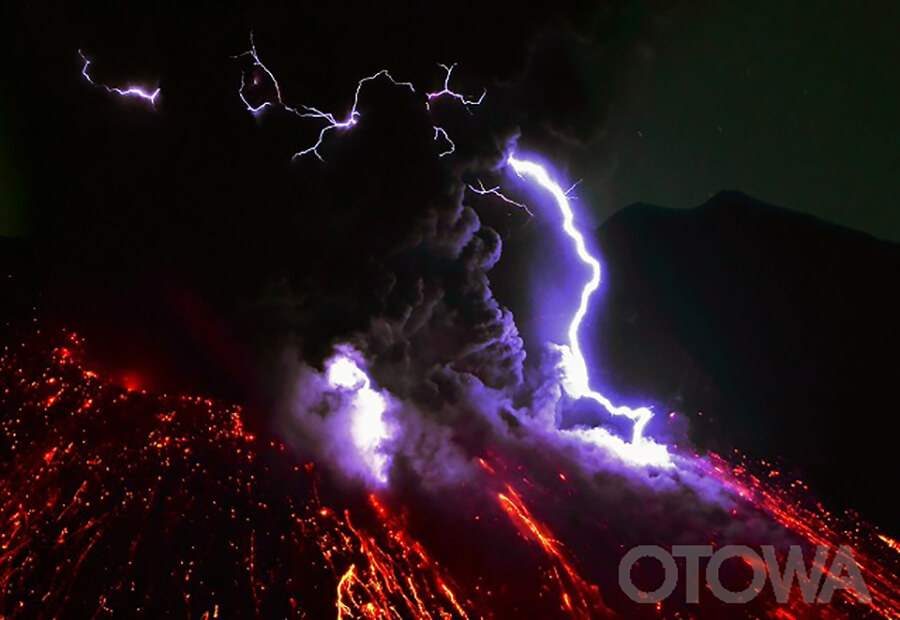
(794, 103)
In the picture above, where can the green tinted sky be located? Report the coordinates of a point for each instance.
(795, 103)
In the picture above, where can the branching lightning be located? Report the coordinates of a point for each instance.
(440, 132)
(495, 191)
(254, 56)
(130, 91)
(446, 91)
(352, 117)
(332, 121)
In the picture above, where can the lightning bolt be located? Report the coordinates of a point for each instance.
(440, 132)
(254, 56)
(446, 91)
(130, 91)
(481, 190)
(575, 374)
(332, 121)
(352, 117)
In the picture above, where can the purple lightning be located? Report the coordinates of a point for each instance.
(440, 132)
(481, 190)
(304, 111)
(447, 92)
(575, 380)
(332, 122)
(352, 117)
(131, 91)
(251, 53)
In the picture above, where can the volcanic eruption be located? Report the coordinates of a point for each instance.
(413, 463)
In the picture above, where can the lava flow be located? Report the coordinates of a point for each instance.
(118, 501)
(115, 500)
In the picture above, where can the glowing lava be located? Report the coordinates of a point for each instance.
(94, 477)
(576, 381)
(579, 598)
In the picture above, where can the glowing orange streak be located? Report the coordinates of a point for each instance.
(520, 514)
(449, 594)
(347, 577)
(882, 584)
(890, 542)
(393, 580)
(74, 500)
(484, 465)
(588, 596)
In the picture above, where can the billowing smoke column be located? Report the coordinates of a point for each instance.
(363, 407)
(339, 416)
(345, 370)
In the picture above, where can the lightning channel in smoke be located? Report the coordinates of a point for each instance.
(130, 91)
(481, 190)
(575, 374)
(368, 429)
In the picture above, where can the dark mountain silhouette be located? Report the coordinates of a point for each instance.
(774, 332)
